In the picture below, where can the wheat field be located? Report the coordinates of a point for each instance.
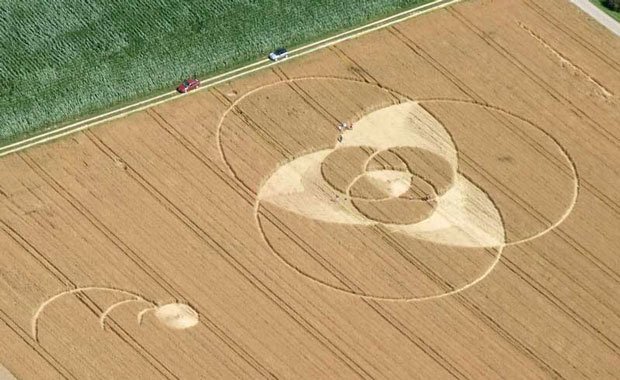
(466, 226)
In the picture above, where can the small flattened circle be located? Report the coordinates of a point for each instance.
(177, 316)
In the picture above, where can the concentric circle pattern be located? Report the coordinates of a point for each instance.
(416, 202)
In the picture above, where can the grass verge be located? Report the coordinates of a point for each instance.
(601, 4)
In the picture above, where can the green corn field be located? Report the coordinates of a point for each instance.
(62, 59)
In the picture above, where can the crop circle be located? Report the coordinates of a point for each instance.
(370, 255)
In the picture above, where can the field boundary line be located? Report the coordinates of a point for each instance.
(63, 131)
(598, 15)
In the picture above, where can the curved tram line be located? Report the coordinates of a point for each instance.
(172, 315)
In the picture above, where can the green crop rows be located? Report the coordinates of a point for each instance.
(604, 8)
(61, 59)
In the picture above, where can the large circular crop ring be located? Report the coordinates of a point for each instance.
(417, 201)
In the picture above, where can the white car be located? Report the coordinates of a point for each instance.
(278, 54)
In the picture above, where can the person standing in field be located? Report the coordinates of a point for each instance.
(342, 127)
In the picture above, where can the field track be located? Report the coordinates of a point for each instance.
(55, 133)
(467, 226)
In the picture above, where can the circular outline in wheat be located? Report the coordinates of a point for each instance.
(161, 311)
(402, 97)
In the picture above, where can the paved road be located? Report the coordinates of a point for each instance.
(598, 15)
